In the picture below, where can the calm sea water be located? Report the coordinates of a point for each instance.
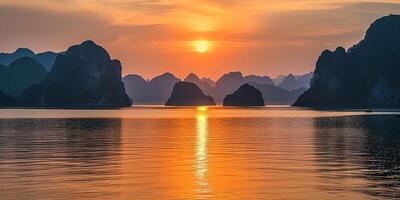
(199, 153)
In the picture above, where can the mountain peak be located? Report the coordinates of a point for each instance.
(166, 75)
(246, 95)
(84, 77)
(290, 76)
(364, 76)
(237, 73)
(192, 78)
(88, 43)
(388, 26)
(24, 52)
(88, 50)
(135, 77)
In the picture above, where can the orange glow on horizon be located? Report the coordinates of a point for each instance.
(209, 38)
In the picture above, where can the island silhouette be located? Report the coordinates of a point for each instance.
(246, 95)
(366, 75)
(188, 94)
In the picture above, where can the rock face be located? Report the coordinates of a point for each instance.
(47, 59)
(188, 94)
(2, 67)
(8, 101)
(20, 75)
(246, 95)
(8, 58)
(364, 76)
(85, 76)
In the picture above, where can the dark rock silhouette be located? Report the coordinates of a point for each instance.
(47, 59)
(2, 67)
(8, 101)
(8, 58)
(85, 76)
(188, 94)
(20, 75)
(246, 95)
(364, 76)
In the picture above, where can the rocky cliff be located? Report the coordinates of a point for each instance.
(188, 94)
(20, 75)
(85, 76)
(246, 95)
(366, 75)
(8, 101)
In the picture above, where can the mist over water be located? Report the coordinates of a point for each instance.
(199, 153)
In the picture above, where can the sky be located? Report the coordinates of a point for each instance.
(150, 37)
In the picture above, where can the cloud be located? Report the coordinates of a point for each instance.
(151, 36)
(22, 26)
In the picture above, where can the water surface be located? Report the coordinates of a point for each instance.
(199, 153)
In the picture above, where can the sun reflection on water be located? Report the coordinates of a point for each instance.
(201, 167)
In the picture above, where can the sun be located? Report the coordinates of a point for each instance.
(201, 46)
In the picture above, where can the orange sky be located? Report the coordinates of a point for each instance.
(155, 36)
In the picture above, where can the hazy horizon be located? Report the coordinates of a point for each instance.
(180, 77)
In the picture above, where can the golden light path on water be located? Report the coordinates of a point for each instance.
(201, 150)
(201, 153)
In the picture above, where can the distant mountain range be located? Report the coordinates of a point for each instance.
(155, 91)
(46, 59)
(20, 75)
(293, 82)
(159, 89)
(366, 75)
(83, 76)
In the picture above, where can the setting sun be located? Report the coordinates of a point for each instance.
(201, 46)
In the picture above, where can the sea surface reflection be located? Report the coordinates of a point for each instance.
(199, 153)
